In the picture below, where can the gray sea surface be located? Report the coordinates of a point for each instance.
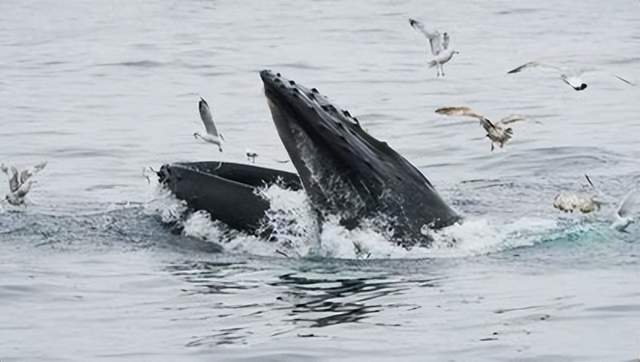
(100, 89)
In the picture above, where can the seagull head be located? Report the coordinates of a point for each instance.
(574, 81)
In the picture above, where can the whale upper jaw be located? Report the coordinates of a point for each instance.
(347, 172)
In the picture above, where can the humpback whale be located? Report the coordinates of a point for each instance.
(343, 170)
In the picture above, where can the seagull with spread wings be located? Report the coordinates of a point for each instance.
(439, 44)
(497, 132)
(572, 77)
(20, 182)
(212, 135)
(624, 215)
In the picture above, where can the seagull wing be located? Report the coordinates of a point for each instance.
(25, 175)
(207, 118)
(602, 72)
(467, 112)
(459, 111)
(24, 189)
(14, 182)
(624, 80)
(535, 65)
(629, 203)
(435, 39)
(486, 124)
(512, 118)
(445, 40)
(598, 192)
(29, 172)
(39, 167)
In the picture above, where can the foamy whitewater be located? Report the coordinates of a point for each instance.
(297, 233)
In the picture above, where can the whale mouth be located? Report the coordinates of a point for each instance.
(344, 170)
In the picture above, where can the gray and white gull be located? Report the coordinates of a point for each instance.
(439, 44)
(20, 182)
(572, 77)
(212, 135)
(498, 132)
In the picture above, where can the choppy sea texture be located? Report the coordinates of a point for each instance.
(101, 265)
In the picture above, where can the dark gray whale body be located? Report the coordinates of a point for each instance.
(344, 171)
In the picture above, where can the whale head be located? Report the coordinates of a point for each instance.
(347, 172)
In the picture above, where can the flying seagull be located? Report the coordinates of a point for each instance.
(497, 132)
(212, 135)
(572, 77)
(439, 44)
(624, 213)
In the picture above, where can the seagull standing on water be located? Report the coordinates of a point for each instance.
(212, 135)
(439, 44)
(569, 201)
(251, 155)
(20, 182)
(497, 132)
(572, 77)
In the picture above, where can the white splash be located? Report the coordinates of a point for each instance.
(295, 232)
(292, 221)
(199, 225)
(484, 235)
(163, 203)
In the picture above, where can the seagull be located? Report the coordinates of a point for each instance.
(20, 183)
(569, 201)
(572, 77)
(16, 197)
(439, 46)
(251, 155)
(497, 132)
(212, 135)
(623, 216)
(145, 173)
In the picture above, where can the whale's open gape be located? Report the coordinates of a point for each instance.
(344, 171)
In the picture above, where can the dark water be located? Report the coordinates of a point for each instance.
(103, 89)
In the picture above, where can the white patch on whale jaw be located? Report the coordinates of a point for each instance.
(339, 196)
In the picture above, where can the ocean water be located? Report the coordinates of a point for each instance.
(89, 269)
